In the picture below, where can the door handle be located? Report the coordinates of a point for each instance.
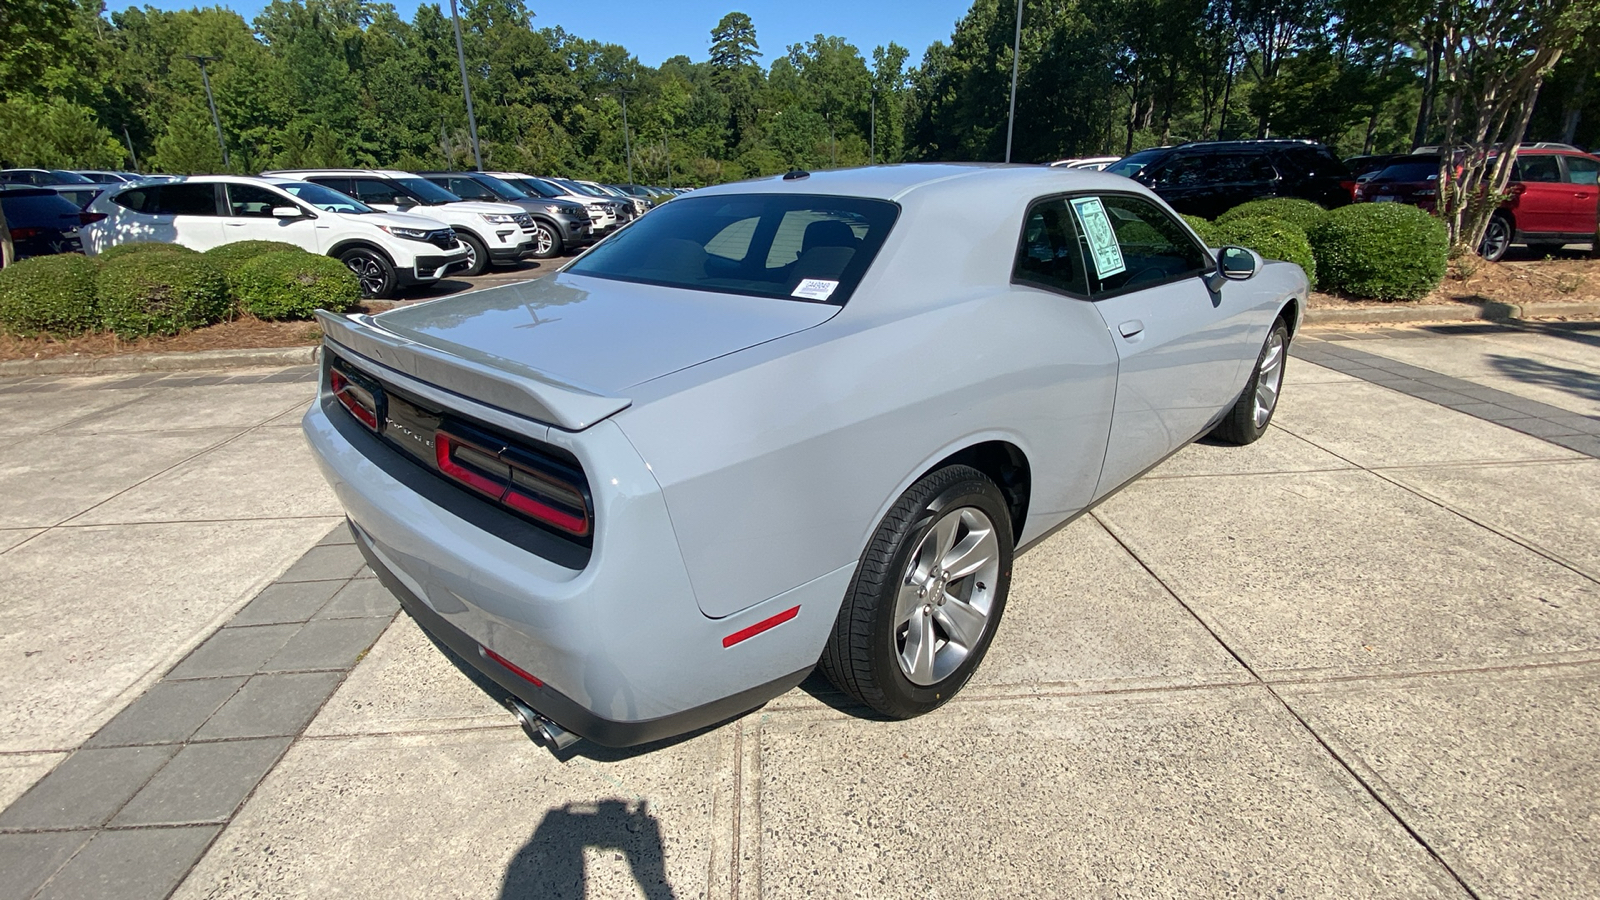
(1131, 328)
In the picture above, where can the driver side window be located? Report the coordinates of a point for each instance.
(1153, 248)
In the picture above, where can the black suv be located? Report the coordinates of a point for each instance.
(562, 224)
(1209, 178)
(43, 222)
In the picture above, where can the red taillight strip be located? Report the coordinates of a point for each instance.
(517, 500)
(745, 634)
(341, 387)
(442, 445)
(521, 672)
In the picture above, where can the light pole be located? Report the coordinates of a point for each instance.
(1016, 57)
(627, 143)
(215, 119)
(872, 142)
(466, 89)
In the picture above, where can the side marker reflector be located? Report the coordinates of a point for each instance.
(521, 672)
(744, 634)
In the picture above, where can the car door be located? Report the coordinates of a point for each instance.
(1542, 198)
(189, 208)
(1583, 173)
(1181, 349)
(248, 217)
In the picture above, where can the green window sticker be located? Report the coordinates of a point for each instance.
(1102, 238)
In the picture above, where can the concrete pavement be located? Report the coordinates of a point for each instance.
(1360, 658)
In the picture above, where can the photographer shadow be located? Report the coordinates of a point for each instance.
(550, 866)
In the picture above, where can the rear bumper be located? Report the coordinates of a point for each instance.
(617, 638)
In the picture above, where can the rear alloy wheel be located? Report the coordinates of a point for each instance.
(1496, 239)
(927, 596)
(546, 240)
(477, 254)
(1252, 413)
(372, 269)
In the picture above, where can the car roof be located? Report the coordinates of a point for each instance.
(894, 182)
(385, 173)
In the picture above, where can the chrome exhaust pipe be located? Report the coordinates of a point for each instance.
(541, 730)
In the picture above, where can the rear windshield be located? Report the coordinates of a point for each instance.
(803, 247)
(1410, 171)
(1129, 166)
(37, 209)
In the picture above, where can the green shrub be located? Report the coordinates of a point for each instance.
(1381, 251)
(49, 295)
(161, 293)
(1202, 227)
(1271, 237)
(144, 247)
(1303, 213)
(229, 257)
(294, 285)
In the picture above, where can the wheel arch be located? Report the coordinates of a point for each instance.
(353, 243)
(1006, 465)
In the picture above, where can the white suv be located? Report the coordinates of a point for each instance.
(497, 233)
(385, 251)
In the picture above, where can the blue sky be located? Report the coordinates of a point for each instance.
(657, 29)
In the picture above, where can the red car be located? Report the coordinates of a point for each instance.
(1554, 197)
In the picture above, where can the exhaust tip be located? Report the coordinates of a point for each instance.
(541, 730)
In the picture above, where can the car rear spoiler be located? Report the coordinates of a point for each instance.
(509, 386)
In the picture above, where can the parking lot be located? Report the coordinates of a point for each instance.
(1359, 658)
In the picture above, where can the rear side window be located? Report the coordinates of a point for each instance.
(1230, 168)
(1538, 169)
(1050, 255)
(800, 247)
(1583, 170)
(171, 200)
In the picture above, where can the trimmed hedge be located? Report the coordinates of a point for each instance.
(1303, 213)
(1271, 237)
(161, 293)
(1381, 251)
(229, 257)
(49, 295)
(136, 247)
(1202, 227)
(293, 285)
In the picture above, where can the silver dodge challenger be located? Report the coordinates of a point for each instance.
(800, 422)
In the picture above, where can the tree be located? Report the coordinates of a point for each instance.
(1494, 57)
(733, 43)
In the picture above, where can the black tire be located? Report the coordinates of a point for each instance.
(477, 253)
(863, 656)
(1496, 238)
(1243, 423)
(546, 240)
(373, 270)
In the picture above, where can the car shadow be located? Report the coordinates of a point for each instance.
(551, 865)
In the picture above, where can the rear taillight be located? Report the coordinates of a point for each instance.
(23, 234)
(541, 489)
(356, 394)
(84, 218)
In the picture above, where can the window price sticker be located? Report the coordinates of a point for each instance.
(815, 289)
(1102, 238)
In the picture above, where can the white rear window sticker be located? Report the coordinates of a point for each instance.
(815, 289)
(1102, 239)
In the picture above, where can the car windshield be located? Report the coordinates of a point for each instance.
(577, 188)
(327, 199)
(1425, 170)
(811, 248)
(501, 188)
(426, 191)
(1129, 166)
(62, 176)
(537, 187)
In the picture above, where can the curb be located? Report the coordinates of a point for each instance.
(1492, 311)
(162, 362)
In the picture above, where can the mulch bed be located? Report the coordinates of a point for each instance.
(1571, 278)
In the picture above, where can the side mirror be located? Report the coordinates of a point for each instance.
(404, 202)
(287, 212)
(1233, 264)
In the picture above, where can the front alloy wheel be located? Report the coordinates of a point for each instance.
(373, 271)
(927, 595)
(546, 242)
